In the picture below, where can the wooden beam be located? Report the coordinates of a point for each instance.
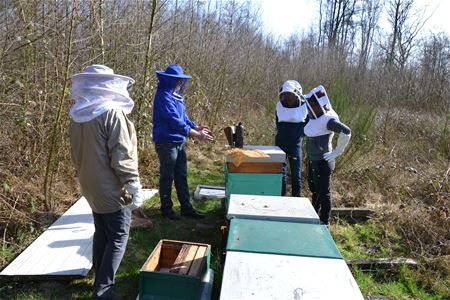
(368, 264)
(352, 214)
(184, 259)
(198, 263)
(153, 261)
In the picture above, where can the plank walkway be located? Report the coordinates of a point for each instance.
(64, 249)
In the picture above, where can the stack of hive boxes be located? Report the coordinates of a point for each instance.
(277, 249)
(255, 175)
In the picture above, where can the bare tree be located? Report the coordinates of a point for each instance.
(405, 23)
(368, 22)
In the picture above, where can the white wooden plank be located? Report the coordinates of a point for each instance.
(203, 192)
(57, 244)
(65, 248)
(267, 276)
(148, 193)
(275, 208)
(274, 152)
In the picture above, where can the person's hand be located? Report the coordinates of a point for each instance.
(204, 128)
(340, 147)
(330, 156)
(205, 135)
(138, 200)
(135, 190)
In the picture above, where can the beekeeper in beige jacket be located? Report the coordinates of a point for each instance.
(104, 152)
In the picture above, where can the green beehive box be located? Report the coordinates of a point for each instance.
(268, 184)
(277, 237)
(174, 270)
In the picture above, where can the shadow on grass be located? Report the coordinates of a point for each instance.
(142, 242)
(77, 289)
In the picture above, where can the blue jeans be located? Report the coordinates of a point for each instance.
(173, 167)
(319, 181)
(294, 157)
(110, 240)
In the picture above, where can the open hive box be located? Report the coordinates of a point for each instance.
(253, 170)
(174, 270)
(255, 159)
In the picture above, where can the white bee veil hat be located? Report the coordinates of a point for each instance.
(96, 90)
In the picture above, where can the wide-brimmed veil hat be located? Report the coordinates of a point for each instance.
(175, 71)
(96, 90)
(101, 71)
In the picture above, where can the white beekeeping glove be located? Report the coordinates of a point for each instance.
(342, 142)
(135, 190)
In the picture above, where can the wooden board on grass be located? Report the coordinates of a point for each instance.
(63, 250)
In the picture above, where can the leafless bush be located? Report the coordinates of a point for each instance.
(237, 70)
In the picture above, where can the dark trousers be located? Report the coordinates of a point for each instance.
(319, 181)
(110, 240)
(173, 167)
(294, 157)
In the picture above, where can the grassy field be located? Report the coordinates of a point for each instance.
(363, 240)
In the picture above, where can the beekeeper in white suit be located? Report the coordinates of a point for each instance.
(323, 123)
(104, 152)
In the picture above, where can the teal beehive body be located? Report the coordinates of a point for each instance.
(284, 238)
(253, 184)
(260, 183)
(160, 286)
(161, 277)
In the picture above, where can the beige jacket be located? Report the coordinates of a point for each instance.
(104, 151)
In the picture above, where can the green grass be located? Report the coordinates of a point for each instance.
(370, 239)
(141, 243)
(373, 240)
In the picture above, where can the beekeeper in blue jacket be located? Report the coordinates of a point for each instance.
(171, 126)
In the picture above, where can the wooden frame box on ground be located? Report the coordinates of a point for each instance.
(174, 270)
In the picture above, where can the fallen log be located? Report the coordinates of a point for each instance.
(352, 214)
(372, 264)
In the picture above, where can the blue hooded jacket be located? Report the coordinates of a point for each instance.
(170, 121)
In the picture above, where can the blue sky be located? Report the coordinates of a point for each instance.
(285, 17)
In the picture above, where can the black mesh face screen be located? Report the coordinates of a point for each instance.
(320, 94)
(314, 108)
(289, 99)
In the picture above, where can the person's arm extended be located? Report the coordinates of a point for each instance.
(168, 111)
(201, 134)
